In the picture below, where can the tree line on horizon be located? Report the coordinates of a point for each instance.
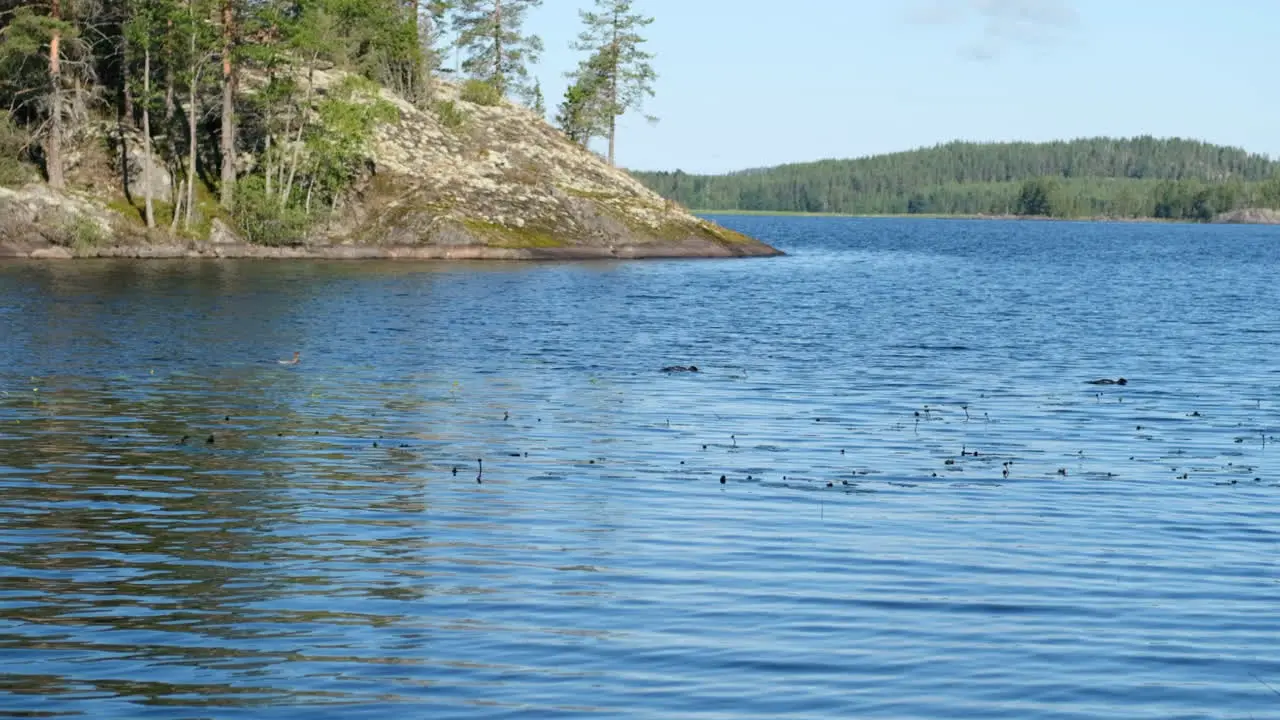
(1095, 177)
(219, 92)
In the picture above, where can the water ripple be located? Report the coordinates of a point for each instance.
(925, 510)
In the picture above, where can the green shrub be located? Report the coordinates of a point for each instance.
(262, 221)
(13, 151)
(84, 234)
(451, 116)
(480, 93)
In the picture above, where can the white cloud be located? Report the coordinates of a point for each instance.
(999, 24)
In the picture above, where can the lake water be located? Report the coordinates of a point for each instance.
(309, 551)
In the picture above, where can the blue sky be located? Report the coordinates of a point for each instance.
(750, 83)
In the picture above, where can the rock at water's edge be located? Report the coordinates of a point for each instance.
(1249, 216)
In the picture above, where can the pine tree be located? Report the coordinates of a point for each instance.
(497, 51)
(227, 143)
(34, 41)
(612, 36)
(581, 115)
(53, 146)
(538, 103)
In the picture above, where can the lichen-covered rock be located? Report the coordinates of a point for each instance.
(221, 234)
(503, 179)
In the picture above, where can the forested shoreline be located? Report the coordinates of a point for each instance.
(182, 111)
(1091, 178)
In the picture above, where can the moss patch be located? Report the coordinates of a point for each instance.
(130, 212)
(495, 235)
(207, 208)
(589, 194)
(724, 234)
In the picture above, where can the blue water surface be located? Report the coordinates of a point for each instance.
(477, 496)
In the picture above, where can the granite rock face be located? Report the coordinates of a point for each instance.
(36, 221)
(503, 179)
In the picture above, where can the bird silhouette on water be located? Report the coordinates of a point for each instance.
(480, 471)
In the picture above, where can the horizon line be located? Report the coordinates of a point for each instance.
(961, 141)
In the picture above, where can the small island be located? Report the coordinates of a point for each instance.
(319, 139)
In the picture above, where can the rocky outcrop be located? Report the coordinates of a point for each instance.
(38, 222)
(503, 179)
(494, 182)
(1250, 216)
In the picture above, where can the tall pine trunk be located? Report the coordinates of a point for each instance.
(126, 113)
(613, 134)
(147, 189)
(193, 116)
(615, 55)
(170, 101)
(228, 144)
(193, 113)
(126, 88)
(53, 146)
(177, 208)
(499, 81)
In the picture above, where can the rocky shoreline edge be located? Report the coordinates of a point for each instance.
(677, 250)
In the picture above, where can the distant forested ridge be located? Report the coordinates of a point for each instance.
(1096, 177)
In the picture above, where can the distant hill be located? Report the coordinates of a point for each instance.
(1131, 177)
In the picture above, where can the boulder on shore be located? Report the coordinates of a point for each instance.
(1249, 216)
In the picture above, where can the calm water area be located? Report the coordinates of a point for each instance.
(927, 511)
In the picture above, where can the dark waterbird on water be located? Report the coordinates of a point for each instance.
(480, 472)
(1108, 381)
(680, 369)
